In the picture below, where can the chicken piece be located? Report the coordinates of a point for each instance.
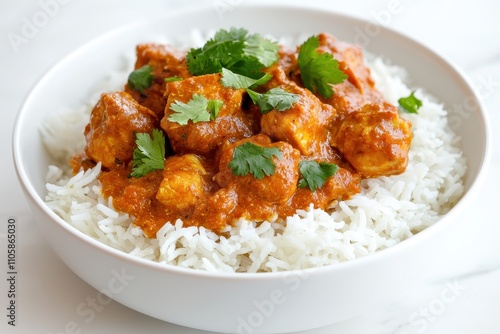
(305, 124)
(204, 138)
(166, 62)
(114, 121)
(276, 188)
(183, 182)
(375, 140)
(359, 88)
(356, 91)
(340, 186)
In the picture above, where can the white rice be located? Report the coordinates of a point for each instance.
(387, 211)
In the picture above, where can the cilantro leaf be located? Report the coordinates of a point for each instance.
(238, 81)
(233, 34)
(141, 78)
(275, 98)
(198, 109)
(314, 174)
(213, 108)
(261, 48)
(251, 158)
(318, 71)
(149, 155)
(217, 52)
(247, 66)
(235, 50)
(410, 104)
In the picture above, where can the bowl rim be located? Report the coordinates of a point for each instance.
(31, 194)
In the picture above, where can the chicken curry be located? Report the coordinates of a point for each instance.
(242, 128)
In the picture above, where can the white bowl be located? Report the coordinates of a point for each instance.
(246, 303)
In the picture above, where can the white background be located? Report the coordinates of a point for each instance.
(465, 32)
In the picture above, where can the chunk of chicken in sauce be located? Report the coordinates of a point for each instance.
(375, 140)
(305, 124)
(276, 188)
(166, 62)
(351, 94)
(341, 186)
(114, 121)
(204, 138)
(359, 87)
(184, 183)
(246, 196)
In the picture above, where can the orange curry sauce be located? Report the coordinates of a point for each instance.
(354, 129)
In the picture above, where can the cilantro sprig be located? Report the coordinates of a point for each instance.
(274, 99)
(235, 50)
(318, 71)
(238, 81)
(315, 174)
(149, 155)
(254, 159)
(141, 78)
(410, 104)
(198, 109)
(265, 50)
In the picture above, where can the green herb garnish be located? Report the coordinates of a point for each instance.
(198, 109)
(275, 98)
(251, 158)
(315, 174)
(141, 78)
(238, 81)
(235, 50)
(149, 155)
(263, 49)
(410, 104)
(318, 71)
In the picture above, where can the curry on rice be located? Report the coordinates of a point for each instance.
(258, 151)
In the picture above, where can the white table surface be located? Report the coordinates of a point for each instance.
(464, 296)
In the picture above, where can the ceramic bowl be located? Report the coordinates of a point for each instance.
(246, 303)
